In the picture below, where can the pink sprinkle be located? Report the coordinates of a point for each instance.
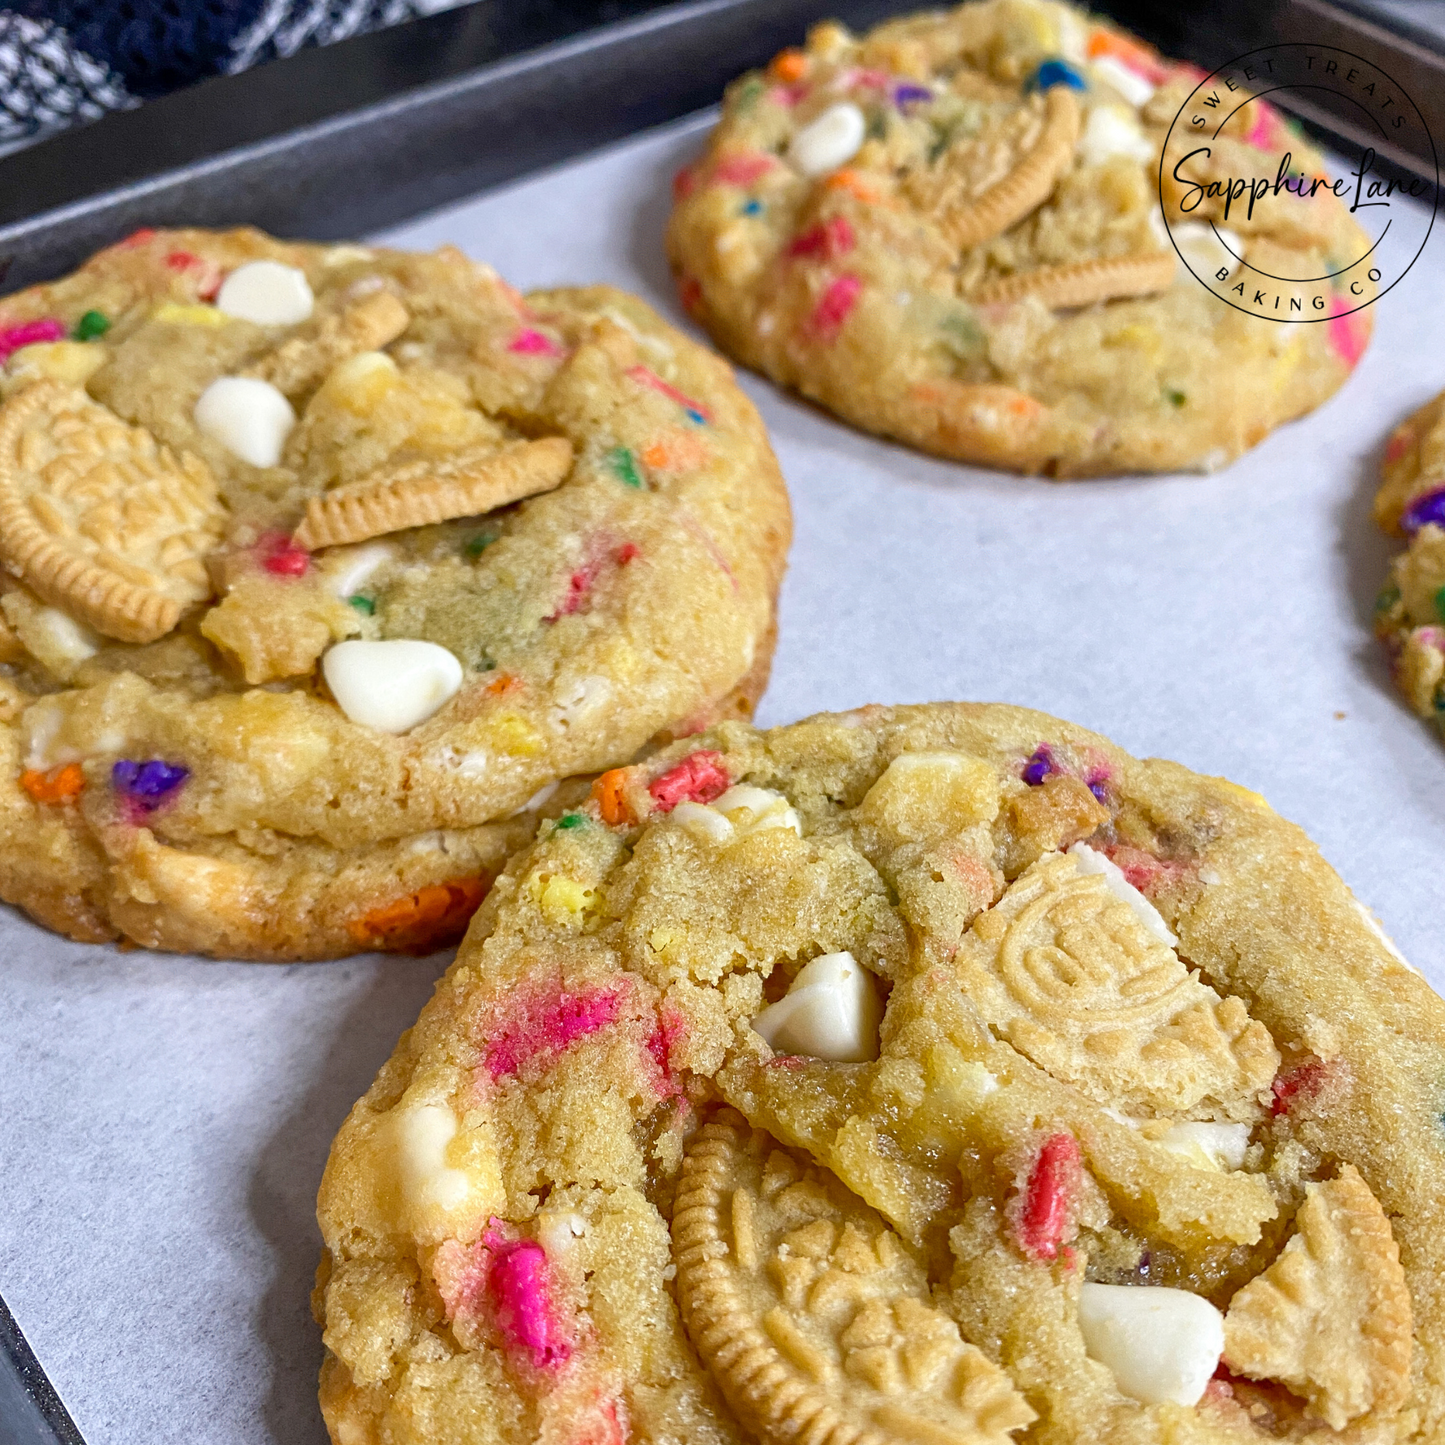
(743, 169)
(644, 377)
(1143, 870)
(29, 333)
(661, 1042)
(836, 304)
(689, 290)
(787, 96)
(869, 79)
(549, 1026)
(136, 238)
(1261, 133)
(579, 586)
(684, 183)
(713, 550)
(626, 553)
(281, 556)
(533, 343)
(698, 778)
(520, 1286)
(827, 241)
(1399, 444)
(1045, 1219)
(1348, 332)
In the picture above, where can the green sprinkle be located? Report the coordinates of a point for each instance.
(1440, 604)
(91, 325)
(749, 91)
(571, 820)
(877, 127)
(1440, 703)
(363, 605)
(479, 544)
(485, 664)
(1174, 397)
(624, 467)
(962, 335)
(1388, 597)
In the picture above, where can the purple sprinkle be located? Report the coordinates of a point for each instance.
(910, 95)
(148, 782)
(1429, 508)
(1039, 766)
(1100, 789)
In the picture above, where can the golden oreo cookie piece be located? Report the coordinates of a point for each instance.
(1083, 282)
(1331, 1318)
(973, 201)
(99, 519)
(467, 485)
(812, 1316)
(366, 323)
(1072, 977)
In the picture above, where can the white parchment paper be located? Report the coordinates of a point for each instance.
(164, 1121)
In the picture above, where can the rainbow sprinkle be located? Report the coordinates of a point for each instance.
(1039, 766)
(150, 783)
(1424, 511)
(696, 411)
(91, 325)
(547, 1026)
(30, 333)
(624, 466)
(835, 306)
(520, 1288)
(533, 343)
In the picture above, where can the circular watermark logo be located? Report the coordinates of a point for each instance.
(1256, 215)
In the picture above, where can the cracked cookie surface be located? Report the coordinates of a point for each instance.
(961, 1078)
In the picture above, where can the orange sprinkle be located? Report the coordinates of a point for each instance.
(55, 786)
(1137, 57)
(849, 180)
(502, 685)
(423, 921)
(789, 66)
(1022, 406)
(610, 792)
(675, 451)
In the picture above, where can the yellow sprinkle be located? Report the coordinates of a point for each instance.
(515, 735)
(189, 315)
(69, 361)
(563, 900)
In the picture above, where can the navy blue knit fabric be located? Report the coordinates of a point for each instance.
(67, 60)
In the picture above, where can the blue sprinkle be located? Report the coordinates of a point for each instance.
(1423, 511)
(1058, 72)
(696, 417)
(752, 208)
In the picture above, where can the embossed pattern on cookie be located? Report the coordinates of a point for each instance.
(98, 518)
(1069, 975)
(419, 493)
(810, 1313)
(1331, 1318)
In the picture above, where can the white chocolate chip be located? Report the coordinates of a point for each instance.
(1113, 131)
(1210, 1146)
(247, 416)
(1130, 85)
(830, 141)
(348, 569)
(267, 293)
(1207, 250)
(393, 685)
(423, 1132)
(1089, 861)
(1072, 37)
(704, 823)
(1163, 1345)
(754, 810)
(831, 1011)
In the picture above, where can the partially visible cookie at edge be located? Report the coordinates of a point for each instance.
(322, 566)
(931, 1073)
(949, 231)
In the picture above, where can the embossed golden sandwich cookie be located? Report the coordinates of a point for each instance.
(914, 1076)
(322, 567)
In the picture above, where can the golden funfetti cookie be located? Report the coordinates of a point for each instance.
(322, 567)
(915, 1076)
(950, 230)
(1410, 609)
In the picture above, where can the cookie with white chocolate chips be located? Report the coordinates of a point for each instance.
(934, 1074)
(949, 231)
(321, 567)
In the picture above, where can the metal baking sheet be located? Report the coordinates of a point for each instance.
(168, 1118)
